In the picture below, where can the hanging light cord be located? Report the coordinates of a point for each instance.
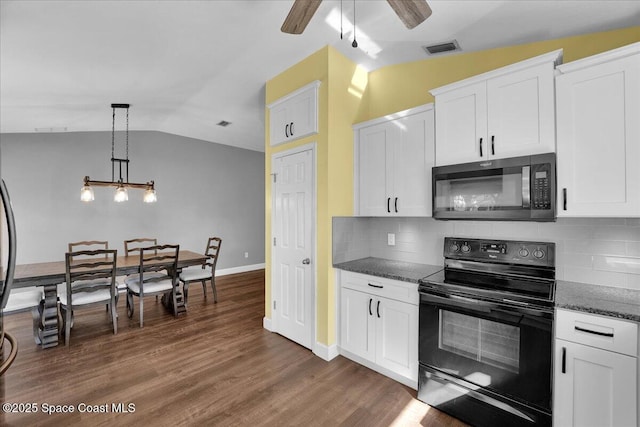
(113, 139)
(355, 43)
(340, 19)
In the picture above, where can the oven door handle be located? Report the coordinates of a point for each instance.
(455, 301)
(511, 313)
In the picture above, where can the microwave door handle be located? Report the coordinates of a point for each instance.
(526, 186)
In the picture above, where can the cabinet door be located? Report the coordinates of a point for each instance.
(521, 113)
(295, 115)
(397, 337)
(375, 162)
(356, 323)
(599, 140)
(413, 159)
(303, 114)
(461, 125)
(598, 387)
(278, 124)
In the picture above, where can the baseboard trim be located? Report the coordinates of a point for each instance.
(240, 269)
(409, 382)
(326, 352)
(266, 323)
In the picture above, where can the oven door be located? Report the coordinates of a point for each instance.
(492, 355)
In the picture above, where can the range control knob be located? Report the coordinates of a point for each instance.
(538, 253)
(466, 248)
(523, 252)
(454, 247)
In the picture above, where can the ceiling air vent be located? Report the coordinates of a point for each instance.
(440, 48)
(223, 123)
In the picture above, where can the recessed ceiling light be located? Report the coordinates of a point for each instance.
(223, 123)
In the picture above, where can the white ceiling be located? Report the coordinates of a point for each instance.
(186, 65)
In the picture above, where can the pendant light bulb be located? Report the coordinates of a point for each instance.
(150, 196)
(121, 194)
(86, 194)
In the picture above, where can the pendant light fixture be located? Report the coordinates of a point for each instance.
(122, 184)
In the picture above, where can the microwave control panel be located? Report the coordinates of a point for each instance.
(541, 186)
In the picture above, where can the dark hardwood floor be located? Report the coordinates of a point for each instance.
(216, 365)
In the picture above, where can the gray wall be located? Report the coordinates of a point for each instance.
(203, 189)
(600, 251)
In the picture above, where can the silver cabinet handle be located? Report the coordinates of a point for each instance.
(306, 261)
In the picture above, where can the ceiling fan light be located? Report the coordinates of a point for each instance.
(86, 194)
(121, 194)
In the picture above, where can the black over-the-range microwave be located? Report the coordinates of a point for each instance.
(516, 188)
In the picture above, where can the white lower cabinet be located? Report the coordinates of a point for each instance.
(595, 379)
(377, 331)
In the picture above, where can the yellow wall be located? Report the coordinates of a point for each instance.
(348, 96)
(403, 86)
(337, 108)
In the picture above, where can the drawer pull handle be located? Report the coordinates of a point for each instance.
(564, 360)
(376, 286)
(589, 331)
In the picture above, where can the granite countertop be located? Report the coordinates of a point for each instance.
(604, 300)
(396, 270)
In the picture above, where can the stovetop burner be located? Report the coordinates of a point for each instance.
(511, 271)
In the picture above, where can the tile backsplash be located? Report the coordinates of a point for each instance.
(600, 251)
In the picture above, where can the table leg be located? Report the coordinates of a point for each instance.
(45, 328)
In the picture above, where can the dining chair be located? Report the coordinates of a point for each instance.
(87, 245)
(204, 272)
(157, 274)
(134, 245)
(90, 278)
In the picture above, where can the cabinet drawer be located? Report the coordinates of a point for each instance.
(598, 331)
(387, 288)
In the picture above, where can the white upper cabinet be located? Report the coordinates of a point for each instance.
(295, 115)
(393, 160)
(507, 112)
(598, 119)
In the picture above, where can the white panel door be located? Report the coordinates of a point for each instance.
(397, 336)
(293, 287)
(461, 125)
(521, 113)
(599, 140)
(597, 387)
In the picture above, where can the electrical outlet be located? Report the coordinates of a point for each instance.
(391, 239)
(246, 254)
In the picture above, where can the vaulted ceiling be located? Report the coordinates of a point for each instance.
(186, 65)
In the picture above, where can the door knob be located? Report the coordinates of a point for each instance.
(306, 261)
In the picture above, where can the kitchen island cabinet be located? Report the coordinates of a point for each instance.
(598, 111)
(503, 113)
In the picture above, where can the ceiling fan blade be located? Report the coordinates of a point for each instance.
(299, 16)
(411, 12)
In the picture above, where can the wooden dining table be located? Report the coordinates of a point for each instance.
(50, 274)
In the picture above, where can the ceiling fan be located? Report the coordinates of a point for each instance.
(410, 12)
